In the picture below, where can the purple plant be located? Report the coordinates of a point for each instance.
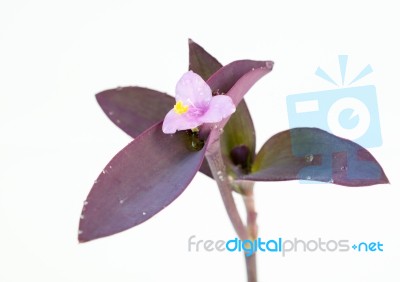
(155, 168)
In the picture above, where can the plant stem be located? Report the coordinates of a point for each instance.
(251, 266)
(218, 169)
(248, 199)
(252, 228)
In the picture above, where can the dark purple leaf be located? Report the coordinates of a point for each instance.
(314, 154)
(238, 77)
(141, 180)
(201, 62)
(235, 80)
(135, 109)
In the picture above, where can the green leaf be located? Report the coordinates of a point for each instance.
(238, 141)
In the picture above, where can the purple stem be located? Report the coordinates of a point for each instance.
(224, 182)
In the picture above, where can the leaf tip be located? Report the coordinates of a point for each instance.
(81, 238)
(385, 180)
(99, 97)
(269, 65)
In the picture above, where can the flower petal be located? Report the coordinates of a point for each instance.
(174, 122)
(192, 90)
(220, 107)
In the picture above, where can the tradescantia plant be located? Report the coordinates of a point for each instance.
(207, 127)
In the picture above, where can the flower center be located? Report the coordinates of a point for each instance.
(180, 108)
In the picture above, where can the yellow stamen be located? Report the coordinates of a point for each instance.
(179, 108)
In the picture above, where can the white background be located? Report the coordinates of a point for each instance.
(56, 55)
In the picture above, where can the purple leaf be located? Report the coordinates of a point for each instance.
(201, 62)
(238, 77)
(135, 109)
(141, 180)
(235, 80)
(314, 154)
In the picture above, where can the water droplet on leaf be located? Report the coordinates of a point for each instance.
(309, 158)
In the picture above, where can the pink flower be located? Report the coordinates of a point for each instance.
(195, 105)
